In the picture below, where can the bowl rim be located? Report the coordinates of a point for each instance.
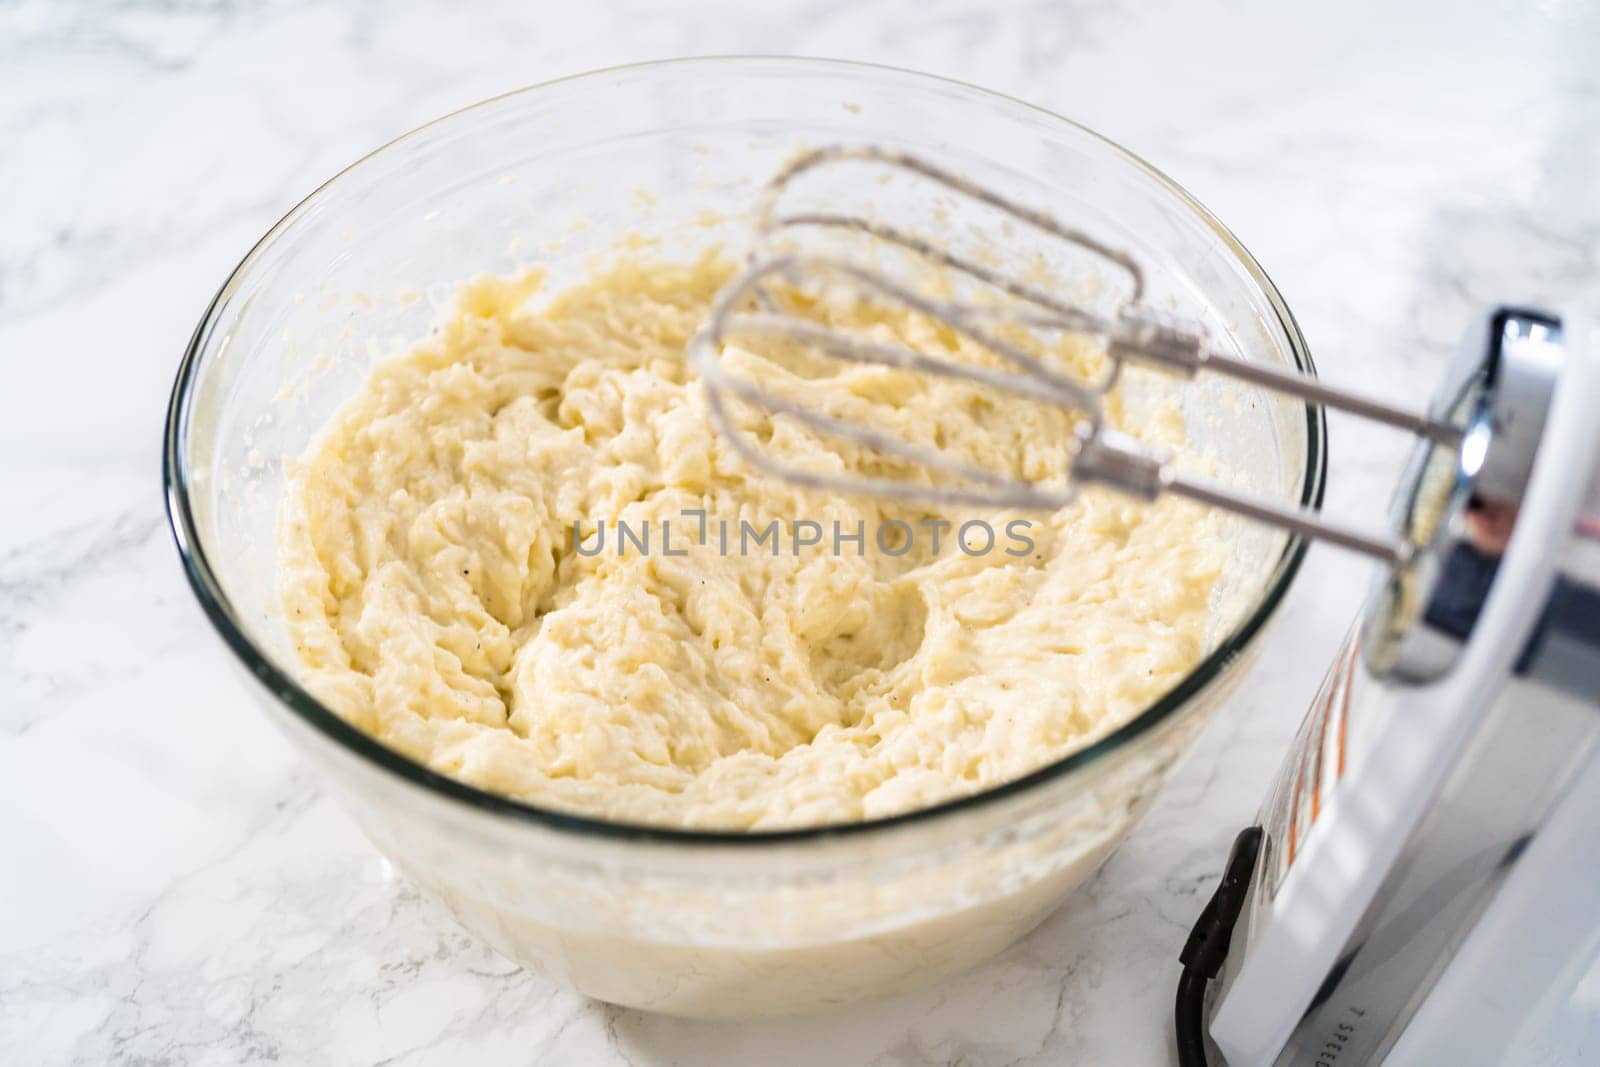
(176, 485)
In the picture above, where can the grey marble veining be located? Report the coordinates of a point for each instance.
(174, 887)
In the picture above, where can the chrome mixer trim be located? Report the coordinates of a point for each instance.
(1460, 502)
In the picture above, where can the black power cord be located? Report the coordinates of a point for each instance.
(1207, 947)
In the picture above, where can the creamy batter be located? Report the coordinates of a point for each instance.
(439, 602)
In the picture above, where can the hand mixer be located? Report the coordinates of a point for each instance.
(1418, 883)
(1137, 333)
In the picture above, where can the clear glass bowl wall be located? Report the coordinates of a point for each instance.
(701, 924)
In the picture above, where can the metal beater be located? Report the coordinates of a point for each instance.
(1135, 333)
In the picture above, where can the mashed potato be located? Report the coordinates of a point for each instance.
(440, 600)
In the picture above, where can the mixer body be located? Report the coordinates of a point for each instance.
(1424, 889)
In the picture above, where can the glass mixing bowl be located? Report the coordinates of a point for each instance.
(689, 922)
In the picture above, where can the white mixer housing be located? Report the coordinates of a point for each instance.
(1425, 888)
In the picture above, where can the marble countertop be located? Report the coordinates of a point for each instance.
(175, 888)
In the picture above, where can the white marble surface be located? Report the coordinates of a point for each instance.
(173, 886)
